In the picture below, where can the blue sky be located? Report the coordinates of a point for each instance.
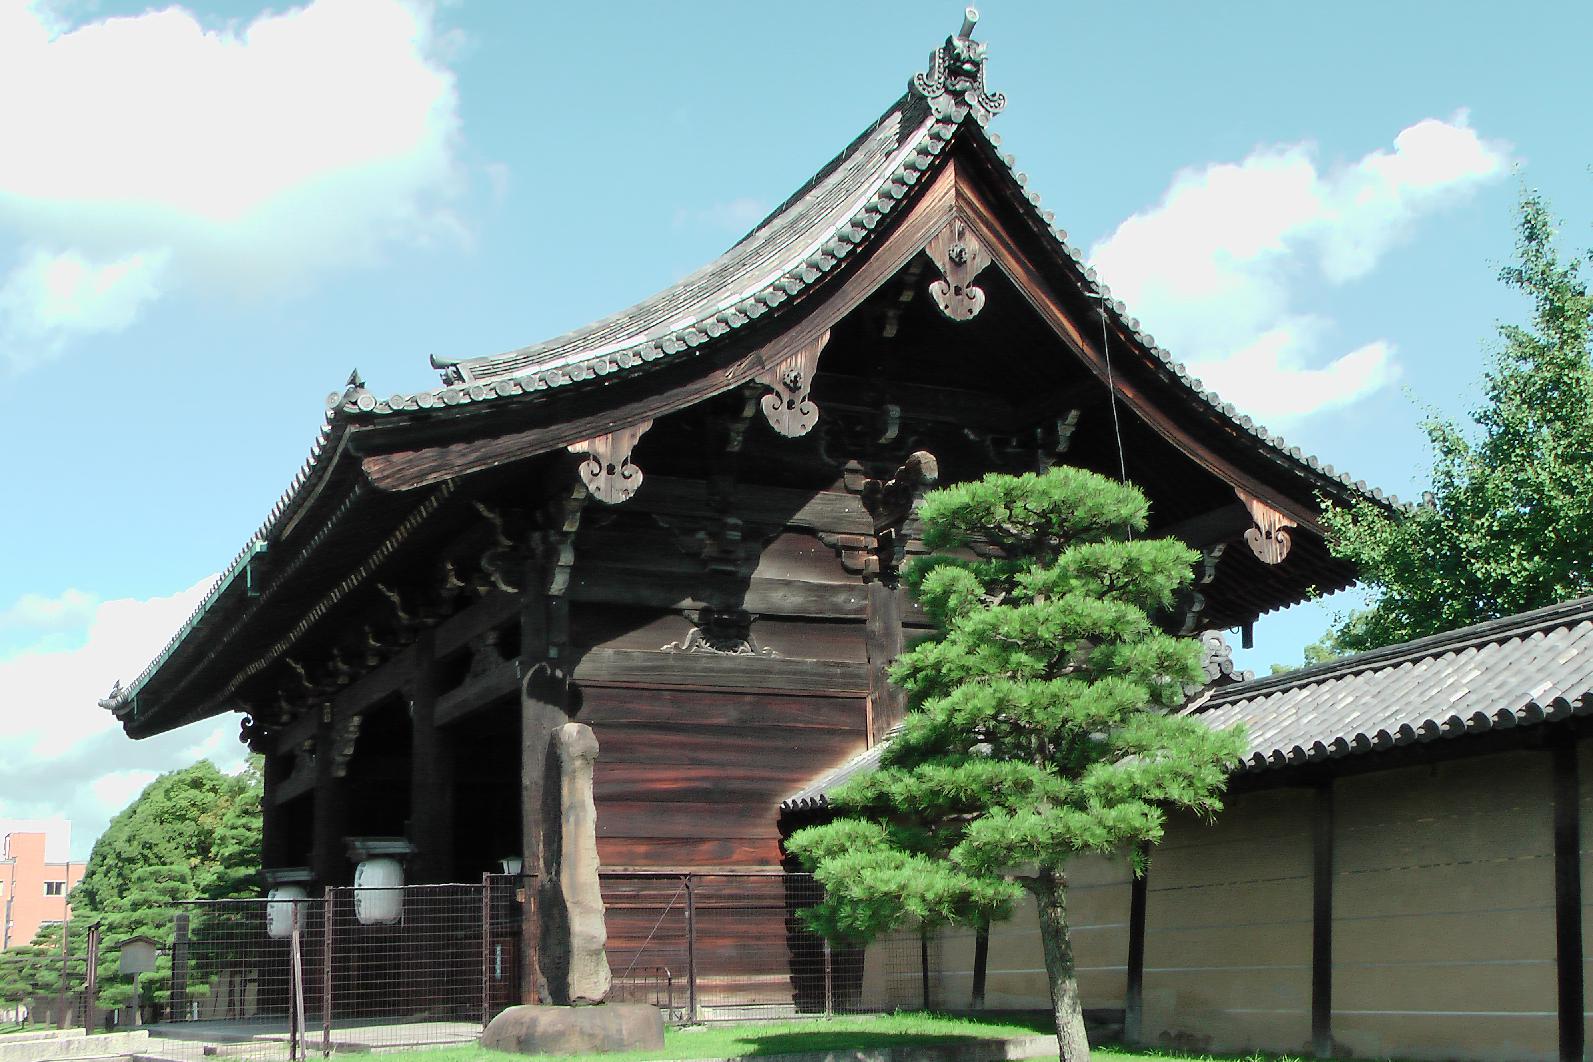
(210, 214)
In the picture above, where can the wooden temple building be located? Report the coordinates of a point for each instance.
(683, 526)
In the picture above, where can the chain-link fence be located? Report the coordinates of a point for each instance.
(363, 969)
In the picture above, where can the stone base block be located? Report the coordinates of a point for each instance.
(548, 1030)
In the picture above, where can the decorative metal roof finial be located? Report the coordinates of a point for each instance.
(954, 85)
(116, 701)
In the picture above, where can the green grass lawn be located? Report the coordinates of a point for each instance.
(779, 1038)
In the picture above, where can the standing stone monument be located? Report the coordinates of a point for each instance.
(571, 955)
(573, 958)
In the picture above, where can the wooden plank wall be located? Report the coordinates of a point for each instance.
(694, 778)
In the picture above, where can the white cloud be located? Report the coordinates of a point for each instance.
(64, 756)
(117, 789)
(250, 155)
(1217, 268)
(37, 614)
(49, 297)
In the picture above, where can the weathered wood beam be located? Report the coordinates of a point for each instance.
(1322, 922)
(720, 671)
(1134, 990)
(1569, 952)
(766, 597)
(328, 858)
(293, 786)
(975, 409)
(431, 771)
(1209, 529)
(489, 687)
(492, 611)
(887, 704)
(775, 506)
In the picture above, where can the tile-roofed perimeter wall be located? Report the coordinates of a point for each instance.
(1515, 671)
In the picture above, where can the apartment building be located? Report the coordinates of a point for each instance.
(33, 888)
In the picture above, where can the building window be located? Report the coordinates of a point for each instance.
(55, 888)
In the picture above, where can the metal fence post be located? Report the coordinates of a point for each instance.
(691, 951)
(296, 988)
(326, 972)
(923, 961)
(179, 966)
(91, 980)
(829, 982)
(486, 950)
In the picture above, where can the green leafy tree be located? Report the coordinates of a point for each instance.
(191, 834)
(1036, 728)
(1509, 523)
(33, 971)
(1320, 651)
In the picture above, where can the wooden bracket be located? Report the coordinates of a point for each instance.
(557, 542)
(960, 256)
(789, 405)
(607, 471)
(1270, 539)
(890, 503)
(722, 632)
(344, 739)
(857, 552)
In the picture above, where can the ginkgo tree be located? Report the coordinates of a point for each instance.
(1038, 724)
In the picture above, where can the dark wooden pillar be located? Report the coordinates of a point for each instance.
(1322, 921)
(1134, 990)
(275, 844)
(431, 777)
(1568, 893)
(883, 635)
(328, 855)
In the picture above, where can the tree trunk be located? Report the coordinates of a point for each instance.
(1050, 894)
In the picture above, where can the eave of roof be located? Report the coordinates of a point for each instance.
(562, 362)
(1523, 670)
(1520, 670)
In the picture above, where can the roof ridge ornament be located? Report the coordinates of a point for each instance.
(954, 85)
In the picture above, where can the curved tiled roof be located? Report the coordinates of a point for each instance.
(788, 252)
(1522, 670)
(792, 250)
(1518, 671)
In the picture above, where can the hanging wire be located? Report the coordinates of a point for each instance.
(1111, 386)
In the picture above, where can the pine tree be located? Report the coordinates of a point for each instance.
(1037, 727)
(191, 834)
(1509, 523)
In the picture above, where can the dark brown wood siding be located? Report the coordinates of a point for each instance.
(695, 777)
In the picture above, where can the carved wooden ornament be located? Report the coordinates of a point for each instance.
(607, 470)
(1269, 540)
(789, 407)
(960, 257)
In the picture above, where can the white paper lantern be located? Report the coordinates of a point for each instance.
(378, 891)
(279, 910)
